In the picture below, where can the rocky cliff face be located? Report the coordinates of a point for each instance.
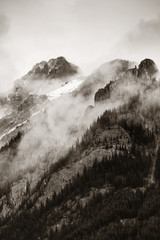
(104, 93)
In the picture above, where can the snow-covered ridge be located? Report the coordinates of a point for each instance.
(64, 89)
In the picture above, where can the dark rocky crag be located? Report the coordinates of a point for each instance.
(147, 69)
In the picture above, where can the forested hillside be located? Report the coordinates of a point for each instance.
(110, 199)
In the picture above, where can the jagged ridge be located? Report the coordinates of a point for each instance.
(146, 71)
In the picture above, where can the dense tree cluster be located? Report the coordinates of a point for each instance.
(121, 171)
(137, 132)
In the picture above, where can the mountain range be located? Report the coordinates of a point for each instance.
(81, 161)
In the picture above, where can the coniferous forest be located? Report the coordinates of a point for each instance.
(111, 199)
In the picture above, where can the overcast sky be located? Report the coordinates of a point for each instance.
(86, 32)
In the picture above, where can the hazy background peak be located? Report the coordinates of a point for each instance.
(86, 32)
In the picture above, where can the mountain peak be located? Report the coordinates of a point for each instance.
(147, 67)
(54, 68)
